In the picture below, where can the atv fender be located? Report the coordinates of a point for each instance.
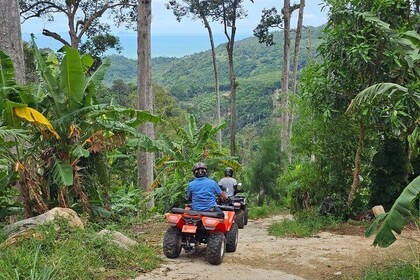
(229, 219)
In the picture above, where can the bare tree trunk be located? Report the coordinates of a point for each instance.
(216, 78)
(297, 45)
(357, 165)
(309, 44)
(232, 99)
(295, 70)
(11, 36)
(233, 85)
(145, 160)
(285, 77)
(276, 107)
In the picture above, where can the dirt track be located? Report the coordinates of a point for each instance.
(260, 256)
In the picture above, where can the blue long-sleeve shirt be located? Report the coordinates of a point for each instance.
(203, 192)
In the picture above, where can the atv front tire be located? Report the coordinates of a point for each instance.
(240, 218)
(232, 238)
(216, 248)
(172, 242)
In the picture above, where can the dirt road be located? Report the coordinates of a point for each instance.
(260, 256)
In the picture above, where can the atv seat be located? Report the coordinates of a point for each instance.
(193, 212)
(226, 207)
(236, 198)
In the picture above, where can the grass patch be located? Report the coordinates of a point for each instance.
(305, 224)
(264, 211)
(406, 271)
(66, 253)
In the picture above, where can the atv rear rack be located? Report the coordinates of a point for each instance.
(193, 212)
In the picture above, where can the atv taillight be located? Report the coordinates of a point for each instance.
(210, 223)
(172, 218)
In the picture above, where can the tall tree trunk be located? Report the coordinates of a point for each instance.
(216, 78)
(11, 36)
(295, 70)
(309, 44)
(285, 77)
(230, 47)
(357, 165)
(145, 160)
(232, 98)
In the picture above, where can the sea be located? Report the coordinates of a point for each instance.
(162, 45)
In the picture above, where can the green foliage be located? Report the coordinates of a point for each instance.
(304, 224)
(302, 182)
(173, 168)
(398, 270)
(389, 172)
(65, 253)
(335, 205)
(395, 220)
(95, 36)
(257, 69)
(261, 177)
(356, 56)
(126, 201)
(266, 210)
(83, 132)
(389, 105)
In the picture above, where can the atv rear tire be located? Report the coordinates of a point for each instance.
(232, 238)
(216, 248)
(246, 217)
(172, 242)
(240, 218)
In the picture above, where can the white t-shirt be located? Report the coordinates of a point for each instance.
(228, 183)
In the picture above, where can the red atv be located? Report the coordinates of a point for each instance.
(190, 228)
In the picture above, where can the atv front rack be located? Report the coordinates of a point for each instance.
(193, 212)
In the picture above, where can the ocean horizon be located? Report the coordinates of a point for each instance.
(162, 45)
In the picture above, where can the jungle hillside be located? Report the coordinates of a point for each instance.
(320, 125)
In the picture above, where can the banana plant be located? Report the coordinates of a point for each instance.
(395, 219)
(69, 133)
(173, 168)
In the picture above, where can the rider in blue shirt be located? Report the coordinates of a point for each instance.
(203, 191)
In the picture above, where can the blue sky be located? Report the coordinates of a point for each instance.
(192, 36)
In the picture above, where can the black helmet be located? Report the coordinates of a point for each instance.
(229, 171)
(199, 170)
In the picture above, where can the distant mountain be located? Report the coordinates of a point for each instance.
(190, 79)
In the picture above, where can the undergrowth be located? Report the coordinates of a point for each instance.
(52, 252)
(256, 212)
(398, 270)
(304, 224)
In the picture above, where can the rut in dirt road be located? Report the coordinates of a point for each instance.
(236, 265)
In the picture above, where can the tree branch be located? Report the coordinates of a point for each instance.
(54, 35)
(37, 12)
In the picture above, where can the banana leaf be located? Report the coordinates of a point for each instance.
(7, 72)
(63, 173)
(72, 78)
(45, 71)
(395, 219)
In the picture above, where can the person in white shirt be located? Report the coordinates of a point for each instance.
(228, 184)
